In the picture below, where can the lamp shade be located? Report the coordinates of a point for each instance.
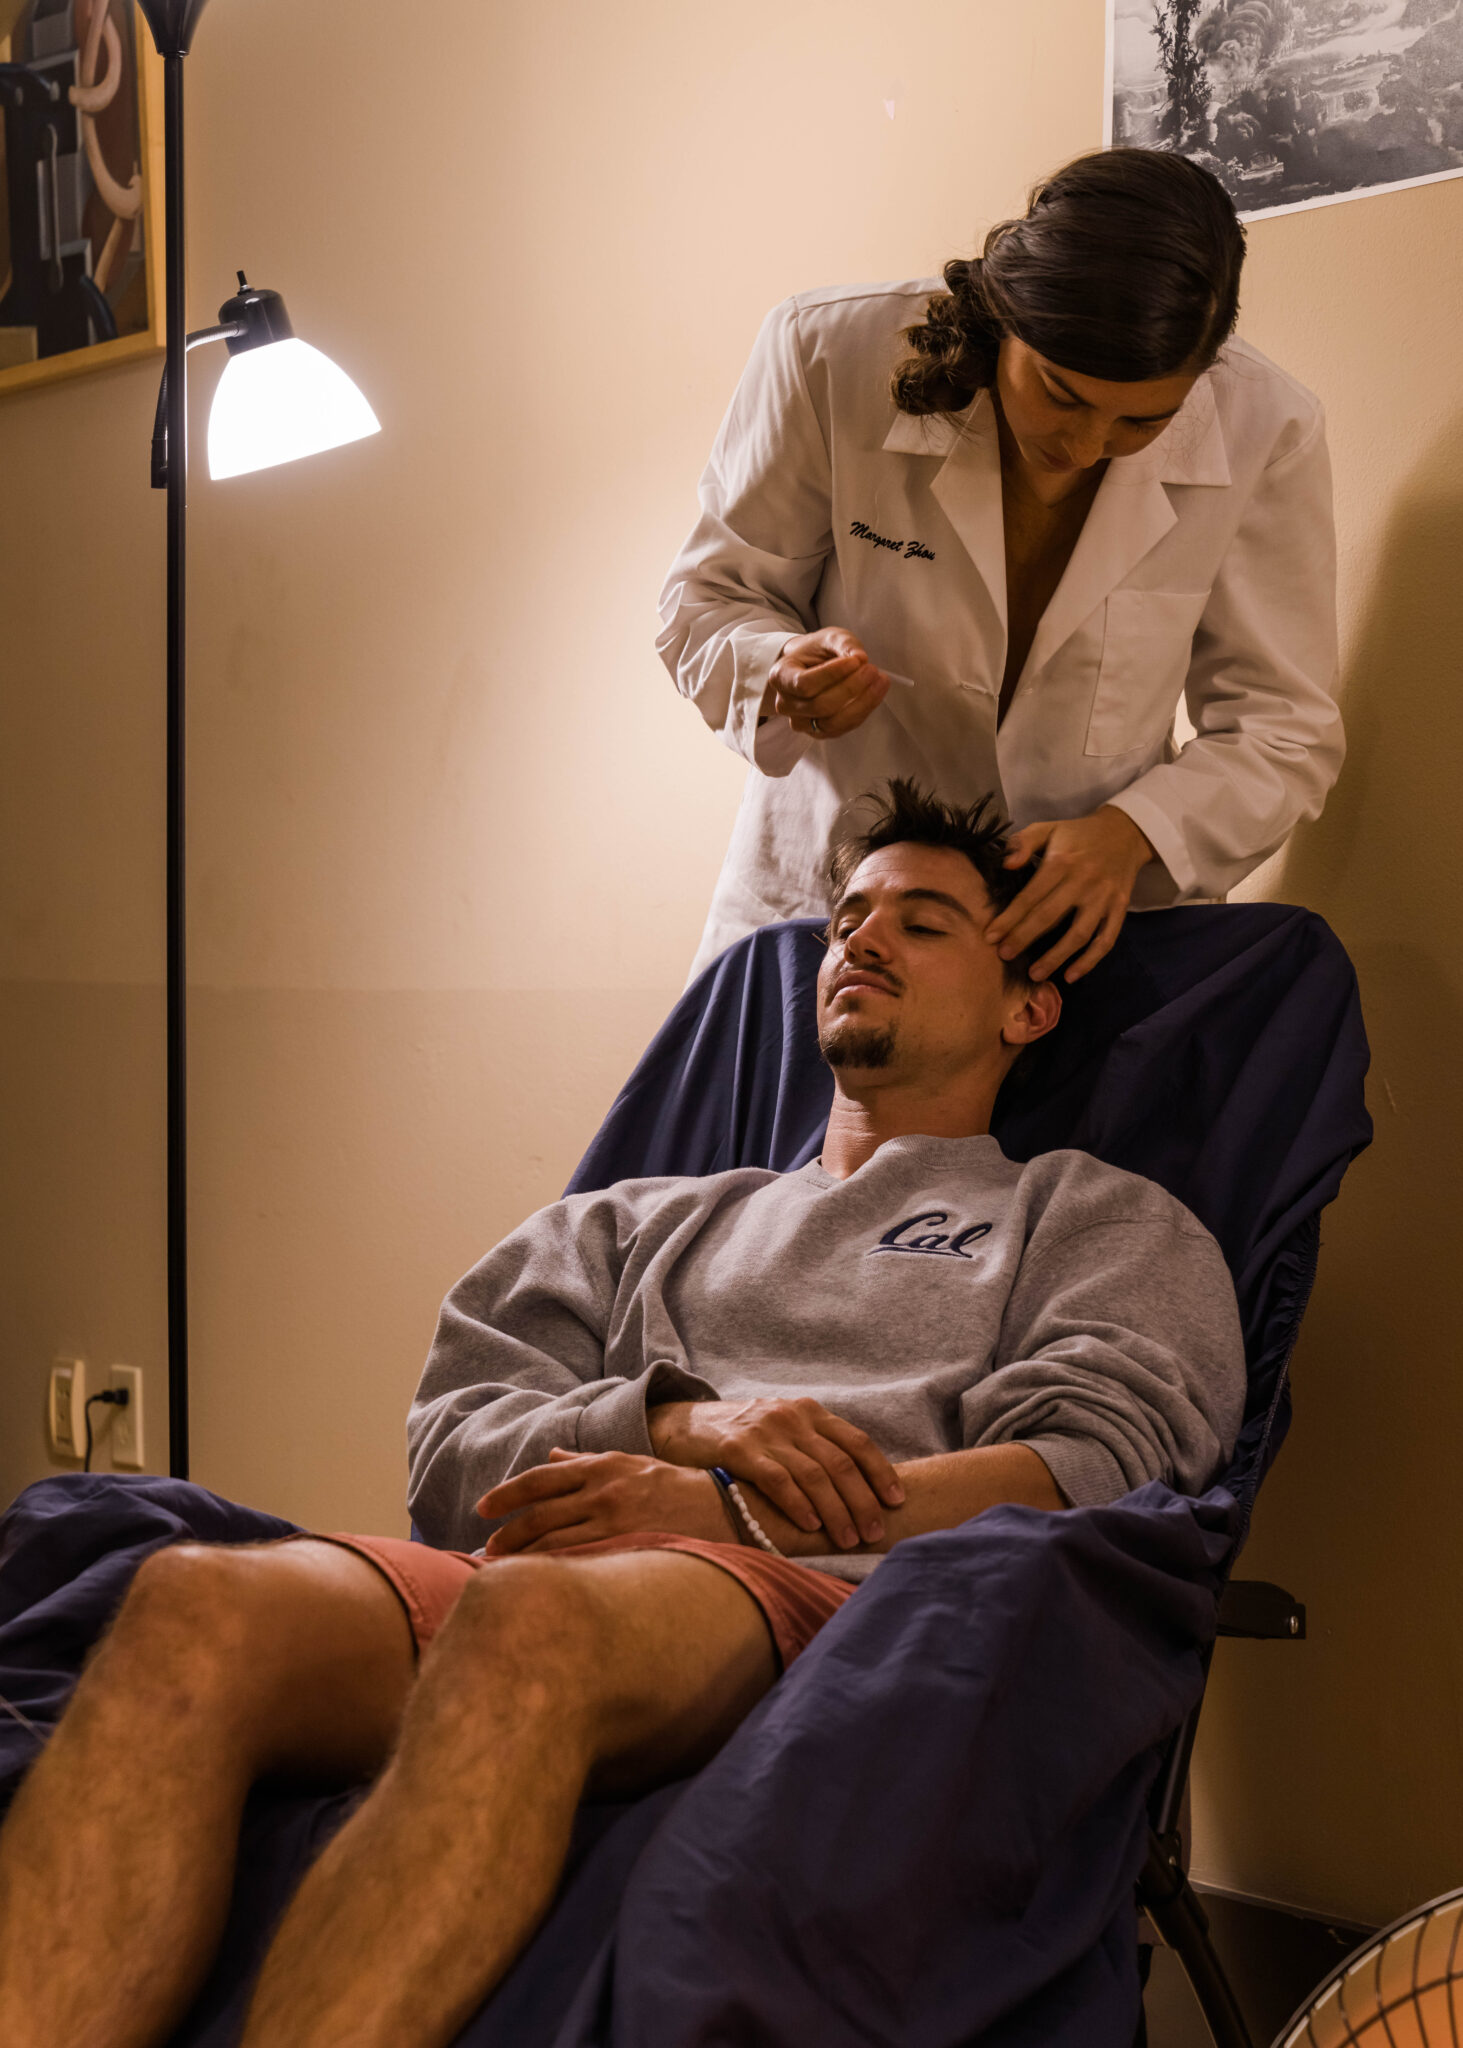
(279, 402)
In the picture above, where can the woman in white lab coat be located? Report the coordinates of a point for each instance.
(991, 538)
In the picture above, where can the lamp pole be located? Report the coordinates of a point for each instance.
(172, 23)
(177, 771)
(320, 408)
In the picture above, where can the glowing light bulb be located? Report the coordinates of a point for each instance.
(279, 402)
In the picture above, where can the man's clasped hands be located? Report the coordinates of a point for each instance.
(806, 1470)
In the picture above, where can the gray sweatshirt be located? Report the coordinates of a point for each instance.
(941, 1297)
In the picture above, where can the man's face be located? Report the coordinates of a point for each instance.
(911, 989)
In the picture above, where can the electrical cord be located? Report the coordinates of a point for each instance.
(116, 1397)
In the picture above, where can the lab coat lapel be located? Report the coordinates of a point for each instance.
(1130, 515)
(967, 487)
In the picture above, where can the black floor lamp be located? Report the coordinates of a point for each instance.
(278, 399)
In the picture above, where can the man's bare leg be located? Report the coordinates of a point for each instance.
(117, 1858)
(551, 1675)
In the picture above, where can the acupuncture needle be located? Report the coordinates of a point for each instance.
(24, 1719)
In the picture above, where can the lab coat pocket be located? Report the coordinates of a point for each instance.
(1147, 640)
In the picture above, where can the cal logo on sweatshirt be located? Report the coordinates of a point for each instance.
(932, 1244)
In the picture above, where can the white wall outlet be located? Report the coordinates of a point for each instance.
(127, 1422)
(66, 1410)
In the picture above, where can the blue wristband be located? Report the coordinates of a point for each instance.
(726, 1485)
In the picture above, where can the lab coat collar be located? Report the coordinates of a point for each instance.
(968, 485)
(1130, 514)
(1190, 450)
(929, 433)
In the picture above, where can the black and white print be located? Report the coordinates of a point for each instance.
(1292, 103)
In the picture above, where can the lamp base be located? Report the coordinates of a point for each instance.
(172, 23)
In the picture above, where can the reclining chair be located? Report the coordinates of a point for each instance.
(1220, 1052)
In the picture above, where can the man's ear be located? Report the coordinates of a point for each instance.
(1038, 1011)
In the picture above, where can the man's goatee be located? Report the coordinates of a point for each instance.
(855, 1045)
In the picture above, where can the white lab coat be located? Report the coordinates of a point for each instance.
(1205, 571)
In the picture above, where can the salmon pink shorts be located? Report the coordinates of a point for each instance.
(795, 1600)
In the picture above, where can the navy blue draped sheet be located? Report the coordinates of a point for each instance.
(927, 1835)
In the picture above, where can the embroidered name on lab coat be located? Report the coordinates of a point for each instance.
(911, 550)
(931, 1244)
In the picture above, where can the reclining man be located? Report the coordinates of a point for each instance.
(693, 1412)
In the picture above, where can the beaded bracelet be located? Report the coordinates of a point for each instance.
(733, 1493)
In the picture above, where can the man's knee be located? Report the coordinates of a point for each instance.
(181, 1590)
(290, 1657)
(638, 1666)
(195, 1617)
(527, 1629)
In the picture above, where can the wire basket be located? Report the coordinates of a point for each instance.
(1403, 1990)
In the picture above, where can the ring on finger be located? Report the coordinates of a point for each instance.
(813, 728)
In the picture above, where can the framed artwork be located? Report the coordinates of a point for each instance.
(1292, 103)
(81, 227)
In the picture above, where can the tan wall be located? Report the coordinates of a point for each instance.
(1332, 1775)
(452, 832)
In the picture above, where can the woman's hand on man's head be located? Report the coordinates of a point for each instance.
(824, 680)
(1087, 867)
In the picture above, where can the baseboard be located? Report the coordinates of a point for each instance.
(1359, 1928)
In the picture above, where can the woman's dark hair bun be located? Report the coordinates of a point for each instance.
(955, 348)
(1126, 266)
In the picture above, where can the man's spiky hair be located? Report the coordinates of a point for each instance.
(909, 816)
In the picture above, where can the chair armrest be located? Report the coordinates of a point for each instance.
(1255, 1608)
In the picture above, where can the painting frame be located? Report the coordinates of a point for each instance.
(1329, 144)
(151, 339)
